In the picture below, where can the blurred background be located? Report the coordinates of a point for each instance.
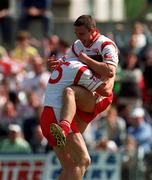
(31, 30)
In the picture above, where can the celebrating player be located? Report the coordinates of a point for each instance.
(100, 54)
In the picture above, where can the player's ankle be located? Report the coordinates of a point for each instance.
(66, 126)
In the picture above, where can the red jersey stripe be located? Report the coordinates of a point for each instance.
(103, 45)
(79, 74)
(73, 50)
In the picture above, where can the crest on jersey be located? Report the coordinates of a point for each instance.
(107, 56)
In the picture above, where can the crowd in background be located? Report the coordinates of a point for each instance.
(126, 126)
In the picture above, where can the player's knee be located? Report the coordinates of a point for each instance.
(85, 162)
(73, 171)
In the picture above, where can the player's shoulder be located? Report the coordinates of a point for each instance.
(77, 47)
(106, 42)
(77, 43)
(104, 38)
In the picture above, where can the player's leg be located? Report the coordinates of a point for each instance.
(86, 101)
(73, 97)
(80, 97)
(74, 157)
(69, 109)
(84, 118)
(87, 107)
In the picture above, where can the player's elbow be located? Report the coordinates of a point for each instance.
(111, 70)
(111, 73)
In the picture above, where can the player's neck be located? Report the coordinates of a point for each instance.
(95, 35)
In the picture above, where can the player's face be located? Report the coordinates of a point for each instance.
(83, 34)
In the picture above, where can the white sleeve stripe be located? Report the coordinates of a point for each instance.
(93, 86)
(111, 62)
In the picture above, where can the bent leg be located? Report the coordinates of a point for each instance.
(100, 106)
(77, 97)
(67, 113)
(69, 104)
(87, 107)
(74, 97)
(74, 157)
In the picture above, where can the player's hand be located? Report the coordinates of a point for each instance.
(83, 57)
(52, 63)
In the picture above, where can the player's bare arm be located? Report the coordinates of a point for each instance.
(104, 70)
(101, 68)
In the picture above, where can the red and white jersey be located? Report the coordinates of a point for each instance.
(102, 49)
(68, 73)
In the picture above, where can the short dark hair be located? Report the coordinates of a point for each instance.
(22, 35)
(87, 21)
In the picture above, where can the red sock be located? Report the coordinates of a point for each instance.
(65, 125)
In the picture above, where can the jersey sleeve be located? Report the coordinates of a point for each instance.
(109, 53)
(74, 50)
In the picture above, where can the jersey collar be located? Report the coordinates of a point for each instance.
(95, 36)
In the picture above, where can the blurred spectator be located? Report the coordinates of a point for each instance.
(51, 46)
(137, 42)
(131, 76)
(120, 36)
(129, 149)
(3, 93)
(124, 110)
(129, 154)
(148, 166)
(111, 128)
(140, 129)
(148, 33)
(138, 29)
(11, 112)
(106, 145)
(33, 105)
(63, 47)
(9, 69)
(147, 78)
(23, 51)
(31, 118)
(55, 46)
(38, 142)
(6, 25)
(3, 101)
(15, 143)
(110, 35)
(37, 78)
(3, 53)
(37, 10)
